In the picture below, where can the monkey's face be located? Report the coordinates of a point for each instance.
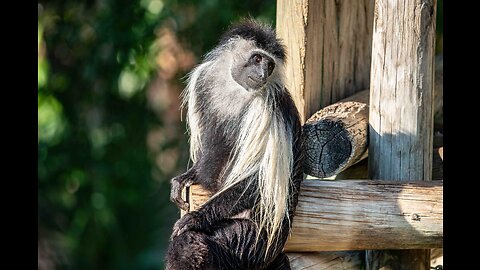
(252, 72)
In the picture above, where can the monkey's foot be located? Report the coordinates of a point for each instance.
(190, 221)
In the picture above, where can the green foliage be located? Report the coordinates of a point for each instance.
(103, 197)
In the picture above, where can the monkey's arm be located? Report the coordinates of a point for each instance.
(225, 205)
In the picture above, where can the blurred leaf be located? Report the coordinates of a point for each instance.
(51, 123)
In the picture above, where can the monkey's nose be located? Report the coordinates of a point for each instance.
(267, 69)
(270, 66)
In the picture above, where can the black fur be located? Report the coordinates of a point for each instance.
(211, 238)
(264, 37)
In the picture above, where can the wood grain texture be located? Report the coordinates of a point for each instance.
(401, 92)
(410, 259)
(337, 260)
(401, 106)
(360, 169)
(362, 214)
(328, 49)
(436, 257)
(437, 164)
(342, 260)
(336, 136)
(438, 91)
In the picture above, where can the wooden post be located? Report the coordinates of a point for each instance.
(328, 49)
(401, 106)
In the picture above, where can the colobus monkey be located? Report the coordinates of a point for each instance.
(245, 144)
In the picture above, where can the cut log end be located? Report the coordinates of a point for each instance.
(336, 136)
(327, 147)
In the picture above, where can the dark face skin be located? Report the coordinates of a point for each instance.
(253, 73)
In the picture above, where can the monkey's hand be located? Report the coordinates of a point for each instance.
(190, 221)
(178, 183)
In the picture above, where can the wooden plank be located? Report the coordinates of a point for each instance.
(362, 214)
(401, 106)
(328, 49)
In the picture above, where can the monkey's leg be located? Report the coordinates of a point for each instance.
(280, 263)
(178, 183)
(229, 203)
(236, 247)
(189, 251)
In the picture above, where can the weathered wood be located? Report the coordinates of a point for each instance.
(336, 136)
(360, 169)
(185, 197)
(436, 257)
(336, 260)
(329, 49)
(401, 94)
(343, 260)
(356, 171)
(362, 214)
(401, 106)
(438, 91)
(437, 166)
(398, 259)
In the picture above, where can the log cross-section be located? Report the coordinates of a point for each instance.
(336, 136)
(361, 214)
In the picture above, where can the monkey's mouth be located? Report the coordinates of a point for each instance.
(257, 83)
(257, 80)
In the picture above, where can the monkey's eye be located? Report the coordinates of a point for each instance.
(257, 58)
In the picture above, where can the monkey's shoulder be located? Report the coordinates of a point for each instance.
(288, 109)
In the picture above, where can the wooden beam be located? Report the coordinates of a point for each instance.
(336, 136)
(361, 214)
(328, 49)
(401, 107)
